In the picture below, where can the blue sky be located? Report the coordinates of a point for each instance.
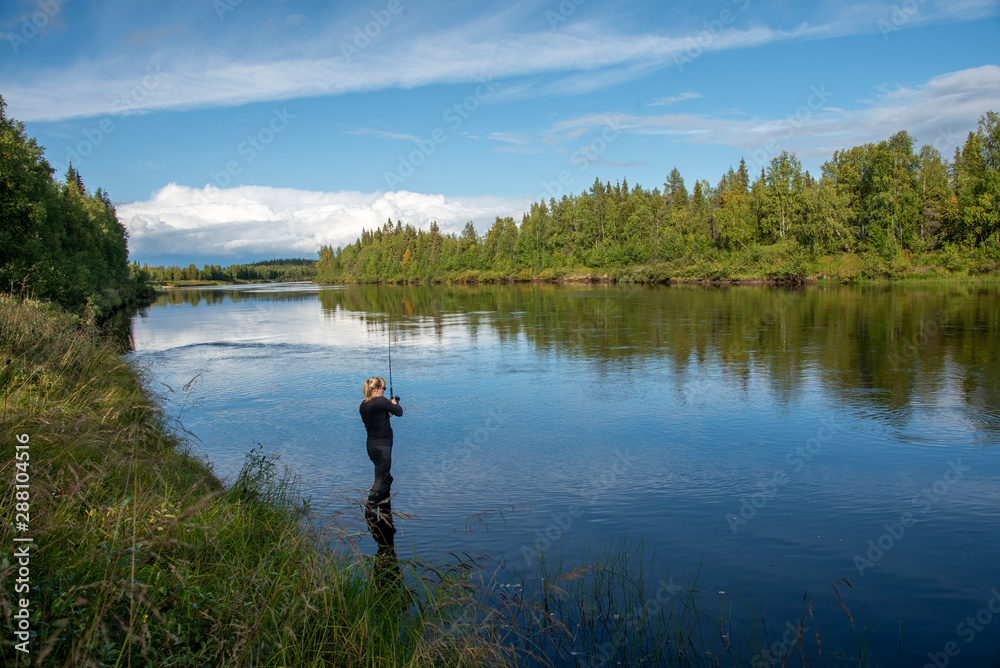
(229, 130)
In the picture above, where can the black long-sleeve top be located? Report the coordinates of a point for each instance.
(375, 414)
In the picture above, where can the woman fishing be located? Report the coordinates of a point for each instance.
(375, 411)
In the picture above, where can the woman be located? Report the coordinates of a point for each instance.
(375, 411)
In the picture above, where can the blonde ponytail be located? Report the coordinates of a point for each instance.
(371, 386)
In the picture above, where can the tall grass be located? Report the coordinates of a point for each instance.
(606, 608)
(142, 557)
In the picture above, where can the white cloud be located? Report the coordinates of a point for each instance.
(509, 137)
(520, 150)
(384, 134)
(940, 112)
(585, 55)
(514, 143)
(674, 99)
(213, 225)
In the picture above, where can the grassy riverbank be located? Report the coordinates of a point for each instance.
(779, 263)
(140, 556)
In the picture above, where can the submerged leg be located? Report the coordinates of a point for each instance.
(380, 452)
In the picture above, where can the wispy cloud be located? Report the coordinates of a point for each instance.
(146, 37)
(674, 99)
(514, 143)
(254, 221)
(522, 150)
(41, 18)
(382, 133)
(580, 58)
(940, 112)
(613, 163)
(509, 137)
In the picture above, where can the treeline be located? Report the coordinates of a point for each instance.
(58, 241)
(877, 210)
(285, 269)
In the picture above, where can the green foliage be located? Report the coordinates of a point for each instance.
(57, 241)
(264, 271)
(977, 184)
(873, 207)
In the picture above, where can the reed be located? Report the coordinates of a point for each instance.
(607, 607)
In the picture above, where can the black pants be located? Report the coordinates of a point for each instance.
(380, 452)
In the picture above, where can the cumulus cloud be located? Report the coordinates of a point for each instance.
(179, 224)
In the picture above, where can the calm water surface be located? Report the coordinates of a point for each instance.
(768, 443)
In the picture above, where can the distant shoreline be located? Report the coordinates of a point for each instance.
(844, 269)
(607, 278)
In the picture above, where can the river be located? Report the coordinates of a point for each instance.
(835, 443)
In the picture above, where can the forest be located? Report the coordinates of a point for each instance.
(284, 269)
(58, 241)
(883, 210)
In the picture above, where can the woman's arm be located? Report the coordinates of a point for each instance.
(391, 406)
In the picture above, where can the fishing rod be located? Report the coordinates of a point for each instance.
(391, 397)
